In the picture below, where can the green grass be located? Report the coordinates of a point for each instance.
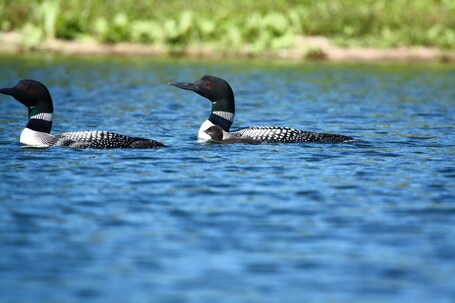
(230, 26)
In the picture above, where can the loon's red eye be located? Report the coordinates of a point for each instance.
(208, 84)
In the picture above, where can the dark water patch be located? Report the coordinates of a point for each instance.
(380, 154)
(292, 212)
(314, 194)
(447, 212)
(346, 187)
(447, 170)
(262, 268)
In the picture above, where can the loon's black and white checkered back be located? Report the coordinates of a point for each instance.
(275, 134)
(102, 140)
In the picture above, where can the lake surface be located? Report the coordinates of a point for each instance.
(372, 221)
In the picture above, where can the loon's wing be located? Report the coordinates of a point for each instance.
(103, 140)
(274, 134)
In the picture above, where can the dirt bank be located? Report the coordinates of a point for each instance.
(305, 48)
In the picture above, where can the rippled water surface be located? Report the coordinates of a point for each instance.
(372, 221)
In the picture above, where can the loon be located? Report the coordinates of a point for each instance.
(220, 93)
(36, 97)
(216, 136)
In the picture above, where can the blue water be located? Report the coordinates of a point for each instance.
(372, 221)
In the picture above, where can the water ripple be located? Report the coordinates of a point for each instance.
(370, 221)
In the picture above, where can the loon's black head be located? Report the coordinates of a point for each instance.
(36, 97)
(32, 94)
(213, 88)
(219, 92)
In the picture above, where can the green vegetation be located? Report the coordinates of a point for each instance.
(232, 26)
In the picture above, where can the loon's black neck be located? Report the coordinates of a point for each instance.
(223, 111)
(38, 120)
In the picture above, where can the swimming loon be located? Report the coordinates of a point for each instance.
(216, 136)
(220, 93)
(36, 97)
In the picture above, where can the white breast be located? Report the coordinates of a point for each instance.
(36, 139)
(202, 136)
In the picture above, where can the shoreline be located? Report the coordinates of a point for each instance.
(304, 49)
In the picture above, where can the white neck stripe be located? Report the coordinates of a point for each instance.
(225, 115)
(43, 116)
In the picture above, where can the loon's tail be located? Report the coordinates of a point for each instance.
(146, 143)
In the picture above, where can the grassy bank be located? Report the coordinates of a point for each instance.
(233, 26)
